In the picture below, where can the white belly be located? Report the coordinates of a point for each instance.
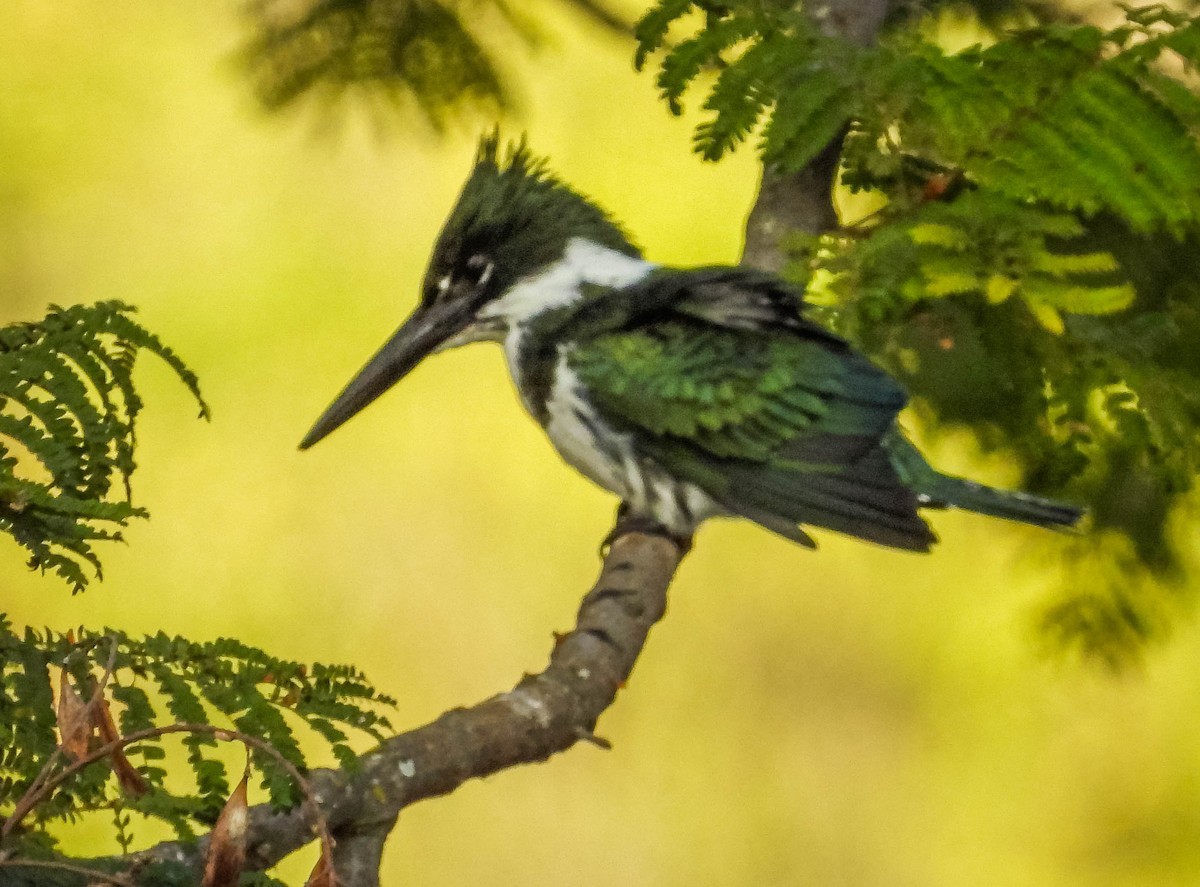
(609, 458)
(601, 452)
(585, 440)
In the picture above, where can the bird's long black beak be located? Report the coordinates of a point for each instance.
(427, 328)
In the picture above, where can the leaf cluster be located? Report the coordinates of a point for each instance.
(1055, 322)
(161, 680)
(435, 55)
(1029, 267)
(1080, 118)
(68, 412)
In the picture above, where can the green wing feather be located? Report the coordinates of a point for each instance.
(726, 385)
(734, 394)
(780, 427)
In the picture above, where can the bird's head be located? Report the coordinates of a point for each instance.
(512, 221)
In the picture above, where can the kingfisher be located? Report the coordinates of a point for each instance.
(689, 393)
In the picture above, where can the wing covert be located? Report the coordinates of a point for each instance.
(779, 428)
(739, 395)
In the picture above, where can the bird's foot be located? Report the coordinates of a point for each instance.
(630, 522)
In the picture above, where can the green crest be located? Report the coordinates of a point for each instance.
(515, 211)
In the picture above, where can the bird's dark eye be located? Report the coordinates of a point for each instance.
(477, 270)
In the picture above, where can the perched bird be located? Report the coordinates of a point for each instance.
(688, 393)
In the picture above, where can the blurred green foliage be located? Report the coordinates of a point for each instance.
(1029, 267)
(436, 53)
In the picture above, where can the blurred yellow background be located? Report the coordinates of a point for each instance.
(850, 717)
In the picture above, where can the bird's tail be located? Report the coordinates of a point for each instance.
(958, 493)
(955, 492)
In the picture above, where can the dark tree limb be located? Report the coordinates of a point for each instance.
(543, 714)
(802, 201)
(36, 872)
(790, 202)
(358, 854)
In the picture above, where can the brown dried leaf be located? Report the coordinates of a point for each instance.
(323, 874)
(132, 782)
(227, 843)
(74, 727)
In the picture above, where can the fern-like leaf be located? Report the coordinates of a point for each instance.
(162, 680)
(422, 50)
(68, 414)
(651, 30)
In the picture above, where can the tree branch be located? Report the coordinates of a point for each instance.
(543, 714)
(803, 200)
(357, 855)
(790, 202)
(84, 875)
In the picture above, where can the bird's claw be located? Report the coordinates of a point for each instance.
(629, 522)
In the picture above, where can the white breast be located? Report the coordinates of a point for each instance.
(582, 437)
(610, 458)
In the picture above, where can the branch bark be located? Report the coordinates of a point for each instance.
(358, 854)
(543, 714)
(790, 202)
(803, 201)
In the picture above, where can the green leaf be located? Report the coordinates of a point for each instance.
(67, 400)
(162, 680)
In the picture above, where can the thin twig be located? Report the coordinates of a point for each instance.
(320, 825)
(35, 787)
(589, 736)
(529, 723)
(119, 879)
(109, 667)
